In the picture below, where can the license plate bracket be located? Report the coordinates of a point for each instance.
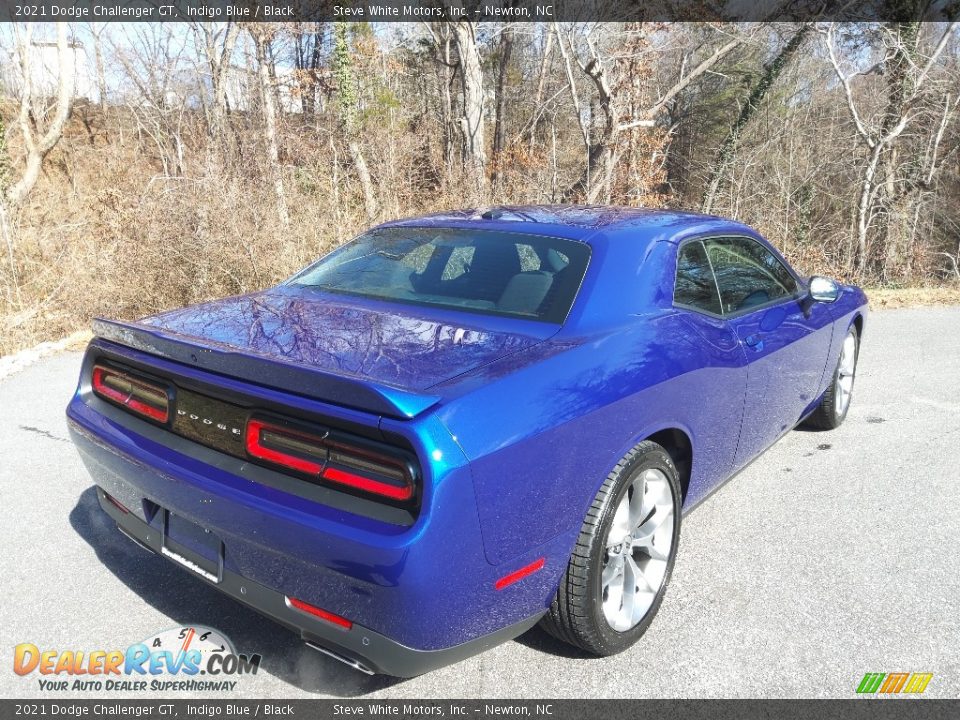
(192, 546)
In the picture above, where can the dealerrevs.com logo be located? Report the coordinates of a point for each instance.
(186, 659)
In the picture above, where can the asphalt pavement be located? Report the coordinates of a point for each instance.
(832, 555)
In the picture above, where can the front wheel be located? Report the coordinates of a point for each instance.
(620, 567)
(832, 410)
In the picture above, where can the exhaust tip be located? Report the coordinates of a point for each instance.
(355, 664)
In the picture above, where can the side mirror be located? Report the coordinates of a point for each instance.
(823, 289)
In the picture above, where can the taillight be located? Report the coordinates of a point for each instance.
(329, 459)
(370, 472)
(291, 449)
(136, 394)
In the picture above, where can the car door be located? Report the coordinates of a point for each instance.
(785, 340)
(707, 341)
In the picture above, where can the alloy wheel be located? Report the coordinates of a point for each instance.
(637, 550)
(846, 372)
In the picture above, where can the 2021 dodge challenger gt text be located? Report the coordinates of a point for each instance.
(459, 425)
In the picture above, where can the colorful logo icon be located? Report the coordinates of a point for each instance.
(171, 660)
(894, 683)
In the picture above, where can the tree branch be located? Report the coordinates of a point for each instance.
(37, 149)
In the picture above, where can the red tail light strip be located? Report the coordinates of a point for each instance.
(256, 447)
(330, 460)
(320, 613)
(396, 492)
(520, 574)
(101, 386)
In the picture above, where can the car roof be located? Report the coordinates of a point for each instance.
(580, 222)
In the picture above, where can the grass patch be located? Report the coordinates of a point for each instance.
(889, 297)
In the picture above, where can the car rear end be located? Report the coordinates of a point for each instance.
(356, 529)
(286, 446)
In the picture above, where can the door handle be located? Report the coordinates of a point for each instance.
(754, 341)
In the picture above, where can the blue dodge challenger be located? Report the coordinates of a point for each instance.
(460, 425)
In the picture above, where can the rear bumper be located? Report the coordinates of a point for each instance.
(419, 597)
(358, 646)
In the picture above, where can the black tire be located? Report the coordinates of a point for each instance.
(826, 416)
(576, 614)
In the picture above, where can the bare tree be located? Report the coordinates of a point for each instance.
(210, 182)
(500, 125)
(471, 122)
(441, 36)
(617, 113)
(347, 98)
(538, 104)
(308, 42)
(757, 95)
(907, 81)
(37, 142)
(219, 57)
(261, 36)
(152, 61)
(96, 32)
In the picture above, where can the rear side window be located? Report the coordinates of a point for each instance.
(499, 273)
(695, 287)
(748, 275)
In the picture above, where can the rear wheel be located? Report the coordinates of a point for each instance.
(832, 410)
(620, 567)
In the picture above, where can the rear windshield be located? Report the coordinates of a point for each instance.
(499, 273)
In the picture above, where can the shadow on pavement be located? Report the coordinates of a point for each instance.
(190, 601)
(542, 641)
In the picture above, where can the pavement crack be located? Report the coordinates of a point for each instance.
(43, 433)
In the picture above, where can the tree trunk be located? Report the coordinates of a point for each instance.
(37, 148)
(370, 204)
(499, 128)
(347, 98)
(270, 122)
(897, 184)
(727, 151)
(859, 260)
(471, 123)
(98, 59)
(600, 151)
(220, 64)
(448, 125)
(538, 98)
(7, 233)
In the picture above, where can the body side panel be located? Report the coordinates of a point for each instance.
(542, 439)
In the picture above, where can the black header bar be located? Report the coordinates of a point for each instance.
(478, 10)
(201, 709)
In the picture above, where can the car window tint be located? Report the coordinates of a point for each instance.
(695, 286)
(500, 273)
(747, 274)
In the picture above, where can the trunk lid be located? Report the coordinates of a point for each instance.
(373, 355)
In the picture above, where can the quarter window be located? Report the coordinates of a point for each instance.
(695, 286)
(748, 275)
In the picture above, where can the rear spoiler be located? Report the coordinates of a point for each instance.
(347, 390)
